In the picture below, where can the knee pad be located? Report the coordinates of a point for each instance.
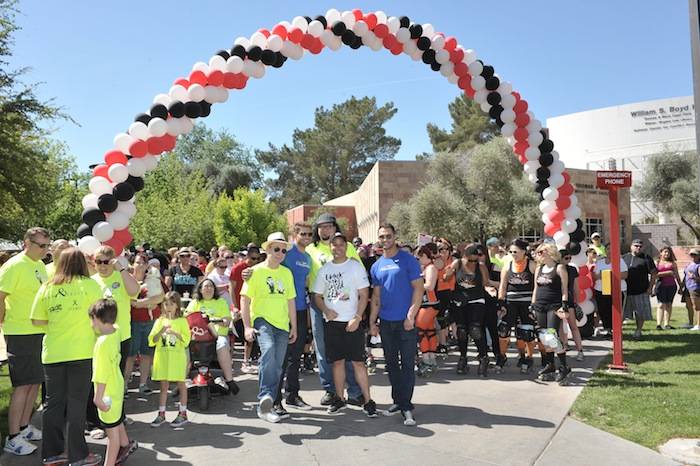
(525, 332)
(461, 332)
(503, 329)
(476, 332)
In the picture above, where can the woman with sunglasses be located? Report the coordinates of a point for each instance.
(446, 266)
(666, 287)
(550, 304)
(515, 296)
(469, 308)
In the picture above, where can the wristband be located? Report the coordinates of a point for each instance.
(501, 303)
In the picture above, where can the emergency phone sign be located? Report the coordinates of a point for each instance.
(607, 179)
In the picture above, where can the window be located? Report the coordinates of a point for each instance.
(530, 235)
(592, 225)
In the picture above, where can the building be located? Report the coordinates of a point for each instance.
(395, 181)
(628, 134)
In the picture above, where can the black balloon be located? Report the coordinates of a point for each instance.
(193, 110)
(206, 108)
(546, 159)
(268, 57)
(93, 216)
(573, 248)
(279, 60)
(416, 31)
(357, 43)
(579, 224)
(493, 98)
(348, 37)
(159, 111)
(540, 187)
(322, 19)
(435, 66)
(254, 53)
(423, 43)
(487, 71)
(429, 56)
(492, 83)
(176, 109)
(107, 203)
(308, 19)
(578, 235)
(84, 230)
(136, 182)
(500, 122)
(224, 54)
(124, 191)
(495, 111)
(547, 145)
(238, 51)
(143, 118)
(339, 28)
(405, 21)
(543, 173)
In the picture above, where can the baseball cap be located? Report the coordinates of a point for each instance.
(339, 235)
(595, 235)
(694, 252)
(637, 241)
(493, 241)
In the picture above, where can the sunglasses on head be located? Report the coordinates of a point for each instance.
(184, 255)
(284, 251)
(102, 262)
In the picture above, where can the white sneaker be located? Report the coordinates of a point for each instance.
(249, 369)
(579, 356)
(697, 327)
(408, 419)
(265, 410)
(686, 326)
(31, 433)
(19, 446)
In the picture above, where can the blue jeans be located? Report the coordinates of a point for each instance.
(273, 347)
(325, 372)
(396, 342)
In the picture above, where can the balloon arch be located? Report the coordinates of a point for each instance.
(110, 204)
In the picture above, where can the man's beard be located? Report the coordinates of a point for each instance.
(325, 238)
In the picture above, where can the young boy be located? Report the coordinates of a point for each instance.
(109, 382)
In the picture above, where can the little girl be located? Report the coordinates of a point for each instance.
(170, 336)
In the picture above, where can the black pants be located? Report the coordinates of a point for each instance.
(471, 321)
(491, 321)
(604, 308)
(67, 390)
(292, 360)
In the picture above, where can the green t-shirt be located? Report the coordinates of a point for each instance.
(602, 252)
(69, 334)
(170, 358)
(213, 308)
(50, 270)
(20, 278)
(105, 370)
(113, 287)
(269, 291)
(321, 253)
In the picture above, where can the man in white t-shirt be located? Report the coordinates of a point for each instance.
(604, 299)
(341, 292)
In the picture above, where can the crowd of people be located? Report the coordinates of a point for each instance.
(76, 327)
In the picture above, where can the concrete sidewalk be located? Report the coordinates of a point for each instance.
(507, 419)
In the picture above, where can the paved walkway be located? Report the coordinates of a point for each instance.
(502, 420)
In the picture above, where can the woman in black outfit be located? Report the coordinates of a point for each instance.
(550, 304)
(469, 308)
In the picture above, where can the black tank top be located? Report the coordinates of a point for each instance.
(471, 285)
(548, 287)
(520, 284)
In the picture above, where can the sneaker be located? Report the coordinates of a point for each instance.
(92, 459)
(393, 409)
(695, 327)
(328, 399)
(125, 452)
(579, 356)
(298, 403)
(265, 410)
(408, 419)
(279, 410)
(31, 433)
(180, 420)
(659, 327)
(370, 409)
(19, 446)
(249, 369)
(145, 389)
(221, 383)
(56, 460)
(233, 387)
(159, 420)
(669, 327)
(564, 371)
(128, 421)
(337, 405)
(359, 401)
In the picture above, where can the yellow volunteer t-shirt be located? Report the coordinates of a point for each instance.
(105, 370)
(69, 334)
(113, 287)
(214, 308)
(20, 278)
(269, 291)
(321, 253)
(170, 358)
(50, 270)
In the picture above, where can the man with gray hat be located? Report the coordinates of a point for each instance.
(641, 276)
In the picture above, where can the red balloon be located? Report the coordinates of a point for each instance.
(516, 94)
(397, 50)
(520, 134)
(450, 44)
(138, 148)
(115, 156)
(123, 236)
(563, 202)
(198, 77)
(317, 46)
(281, 31)
(522, 159)
(520, 147)
(584, 282)
(566, 189)
(555, 216)
(457, 55)
(581, 295)
(182, 82)
(389, 41)
(101, 170)
(216, 78)
(465, 82)
(381, 30)
(522, 120)
(307, 41)
(117, 245)
(154, 146)
(566, 176)
(264, 32)
(371, 20)
(242, 81)
(470, 92)
(551, 228)
(358, 14)
(520, 106)
(295, 35)
(230, 80)
(169, 142)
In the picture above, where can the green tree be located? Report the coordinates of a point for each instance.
(470, 127)
(246, 217)
(333, 157)
(173, 209)
(471, 196)
(23, 154)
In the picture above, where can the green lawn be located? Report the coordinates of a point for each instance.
(5, 390)
(659, 399)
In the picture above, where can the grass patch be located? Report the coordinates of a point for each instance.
(659, 399)
(5, 392)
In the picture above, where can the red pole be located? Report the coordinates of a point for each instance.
(617, 362)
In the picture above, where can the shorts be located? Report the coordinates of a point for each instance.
(638, 305)
(221, 342)
(694, 299)
(518, 312)
(444, 298)
(665, 294)
(341, 344)
(112, 425)
(24, 359)
(139, 338)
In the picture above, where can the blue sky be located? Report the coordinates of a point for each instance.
(103, 62)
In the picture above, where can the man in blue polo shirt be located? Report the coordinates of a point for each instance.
(397, 293)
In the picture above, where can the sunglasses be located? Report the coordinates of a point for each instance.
(513, 252)
(284, 251)
(307, 235)
(472, 261)
(102, 262)
(41, 245)
(229, 257)
(184, 255)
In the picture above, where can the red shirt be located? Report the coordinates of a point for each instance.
(236, 276)
(140, 314)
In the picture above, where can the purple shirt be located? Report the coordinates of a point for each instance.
(691, 276)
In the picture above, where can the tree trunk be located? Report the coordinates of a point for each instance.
(692, 228)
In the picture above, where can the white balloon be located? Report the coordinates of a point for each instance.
(447, 69)
(333, 15)
(127, 208)
(403, 35)
(150, 162)
(531, 167)
(508, 129)
(211, 94)
(201, 66)
(475, 68)
(587, 307)
(163, 99)
(469, 56)
(532, 153)
(117, 172)
(234, 64)
(274, 43)
(547, 206)
(508, 115)
(557, 167)
(88, 245)
(300, 22)
(292, 50)
(99, 186)
(157, 127)
(532, 177)
(195, 92)
(217, 63)
(102, 231)
(381, 17)
(556, 180)
(178, 92)
(550, 194)
(429, 31)
(394, 24)
(535, 139)
(315, 28)
(534, 126)
(481, 95)
(136, 168)
(254, 69)
(453, 79)
(118, 220)
(90, 201)
(361, 29)
(508, 101)
(561, 239)
(138, 130)
(122, 141)
(589, 294)
(259, 39)
(174, 127)
(442, 57)
(245, 42)
(478, 82)
(485, 106)
(555, 155)
(348, 17)
(505, 88)
(574, 200)
(568, 225)
(335, 43)
(187, 125)
(437, 43)
(573, 212)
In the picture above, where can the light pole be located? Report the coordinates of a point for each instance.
(694, 8)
